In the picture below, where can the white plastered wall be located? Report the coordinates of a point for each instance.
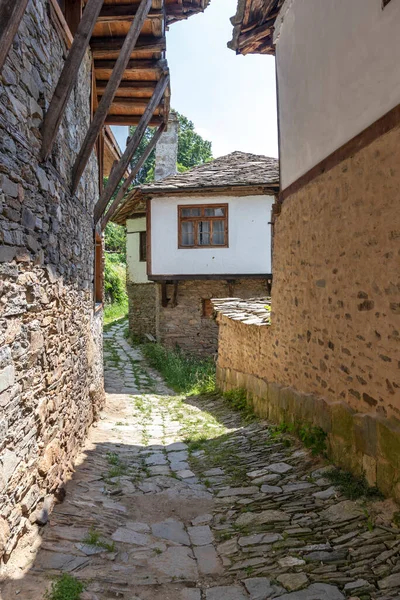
(249, 250)
(136, 270)
(338, 72)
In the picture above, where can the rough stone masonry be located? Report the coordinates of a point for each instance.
(50, 338)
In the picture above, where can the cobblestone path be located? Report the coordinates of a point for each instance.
(176, 498)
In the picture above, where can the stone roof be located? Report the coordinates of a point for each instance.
(255, 311)
(239, 170)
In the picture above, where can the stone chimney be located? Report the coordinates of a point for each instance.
(167, 150)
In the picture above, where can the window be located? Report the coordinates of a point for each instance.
(204, 226)
(142, 246)
(385, 3)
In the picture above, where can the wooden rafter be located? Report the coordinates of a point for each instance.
(118, 173)
(68, 76)
(109, 93)
(128, 181)
(11, 13)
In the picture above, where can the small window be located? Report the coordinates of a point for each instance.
(203, 226)
(385, 3)
(207, 308)
(142, 246)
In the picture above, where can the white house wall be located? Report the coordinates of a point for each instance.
(136, 270)
(338, 72)
(249, 250)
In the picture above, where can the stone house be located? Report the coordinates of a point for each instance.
(331, 355)
(193, 236)
(65, 77)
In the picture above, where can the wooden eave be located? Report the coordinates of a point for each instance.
(135, 203)
(147, 64)
(253, 26)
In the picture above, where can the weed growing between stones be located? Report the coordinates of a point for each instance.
(237, 399)
(312, 437)
(187, 374)
(65, 587)
(351, 486)
(93, 538)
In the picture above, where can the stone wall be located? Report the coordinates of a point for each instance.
(50, 338)
(184, 324)
(334, 337)
(142, 308)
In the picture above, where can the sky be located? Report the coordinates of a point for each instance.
(231, 99)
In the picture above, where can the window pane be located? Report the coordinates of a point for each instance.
(204, 233)
(218, 237)
(187, 233)
(214, 212)
(190, 212)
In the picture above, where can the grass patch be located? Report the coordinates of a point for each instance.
(116, 311)
(237, 399)
(186, 374)
(312, 437)
(93, 538)
(65, 587)
(351, 486)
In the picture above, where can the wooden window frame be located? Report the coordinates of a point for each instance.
(142, 246)
(202, 217)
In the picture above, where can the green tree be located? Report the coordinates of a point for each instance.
(193, 150)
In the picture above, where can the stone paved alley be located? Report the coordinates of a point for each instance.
(244, 516)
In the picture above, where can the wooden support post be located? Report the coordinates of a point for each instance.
(174, 302)
(68, 76)
(164, 298)
(118, 173)
(124, 188)
(11, 13)
(109, 93)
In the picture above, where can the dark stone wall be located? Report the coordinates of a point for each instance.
(50, 339)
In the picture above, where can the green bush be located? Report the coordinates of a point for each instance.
(114, 279)
(65, 587)
(186, 374)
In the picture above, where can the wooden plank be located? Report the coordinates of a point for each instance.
(11, 13)
(108, 96)
(68, 76)
(129, 89)
(73, 14)
(132, 146)
(132, 120)
(124, 12)
(56, 15)
(103, 46)
(128, 181)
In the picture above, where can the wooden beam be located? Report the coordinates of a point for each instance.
(68, 76)
(125, 12)
(102, 47)
(73, 14)
(108, 96)
(128, 181)
(131, 120)
(132, 146)
(11, 13)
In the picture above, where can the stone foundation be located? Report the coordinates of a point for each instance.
(184, 325)
(332, 353)
(51, 385)
(142, 309)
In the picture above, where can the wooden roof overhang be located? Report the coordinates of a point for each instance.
(135, 203)
(130, 76)
(146, 66)
(253, 26)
